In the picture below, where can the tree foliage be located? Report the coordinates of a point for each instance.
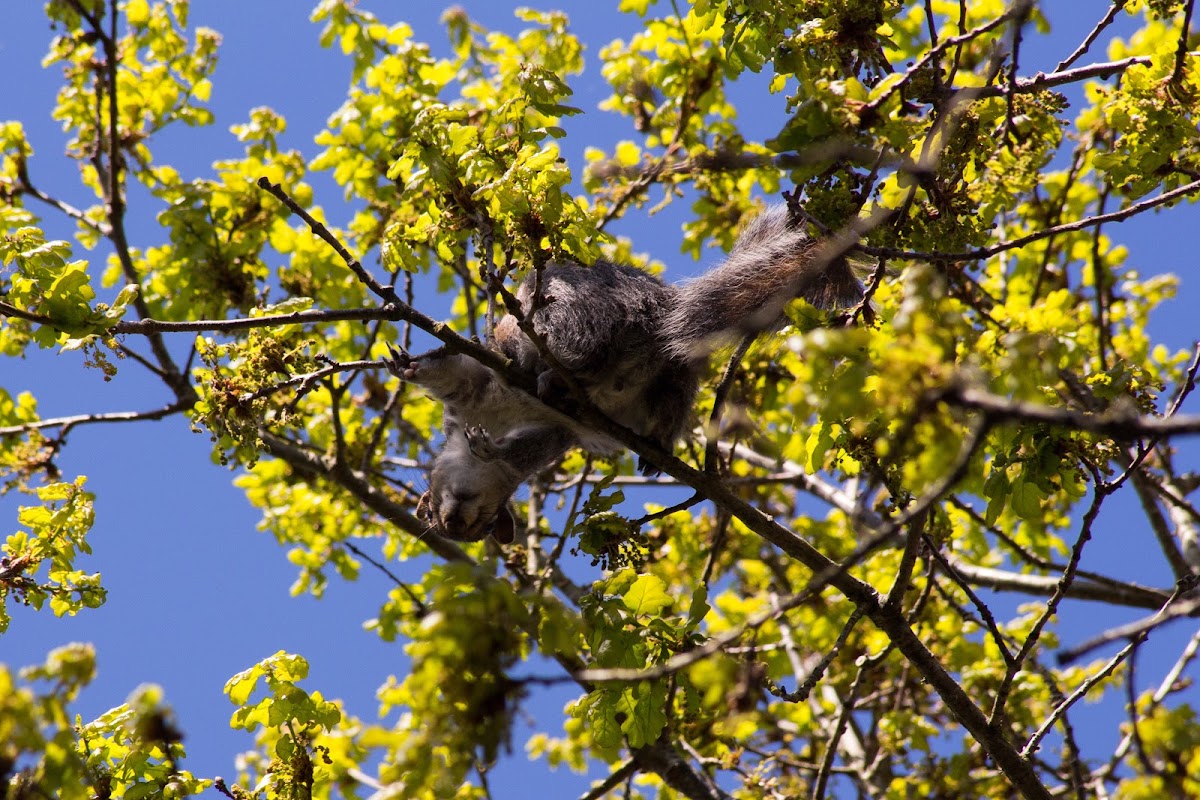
(856, 485)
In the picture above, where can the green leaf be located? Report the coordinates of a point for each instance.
(647, 596)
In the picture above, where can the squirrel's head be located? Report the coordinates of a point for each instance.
(467, 501)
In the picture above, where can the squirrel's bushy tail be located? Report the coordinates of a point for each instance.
(773, 261)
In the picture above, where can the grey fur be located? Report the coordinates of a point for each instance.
(636, 346)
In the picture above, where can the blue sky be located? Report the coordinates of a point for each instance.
(196, 594)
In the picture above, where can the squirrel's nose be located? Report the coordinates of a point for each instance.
(454, 525)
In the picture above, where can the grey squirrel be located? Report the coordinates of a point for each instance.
(636, 346)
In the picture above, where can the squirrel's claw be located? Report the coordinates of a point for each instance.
(646, 468)
(481, 443)
(400, 363)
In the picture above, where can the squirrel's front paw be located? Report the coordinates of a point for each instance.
(481, 443)
(400, 364)
(553, 390)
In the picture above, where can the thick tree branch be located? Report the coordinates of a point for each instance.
(668, 764)
(1181, 49)
(615, 779)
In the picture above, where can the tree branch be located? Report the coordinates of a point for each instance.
(312, 465)
(1104, 22)
(66, 423)
(981, 253)
(307, 317)
(385, 293)
(1130, 595)
(25, 186)
(1121, 423)
(1141, 628)
(9, 310)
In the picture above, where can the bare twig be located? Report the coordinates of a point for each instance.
(385, 293)
(1104, 22)
(1035, 740)
(985, 613)
(1138, 629)
(422, 609)
(1060, 590)
(1169, 683)
(1124, 594)
(25, 186)
(981, 253)
(66, 423)
(822, 781)
(720, 394)
(1119, 423)
(619, 775)
(818, 671)
(668, 511)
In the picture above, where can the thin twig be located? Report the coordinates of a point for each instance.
(1035, 740)
(818, 671)
(985, 613)
(1120, 423)
(1138, 629)
(1169, 683)
(822, 781)
(385, 293)
(1104, 22)
(1060, 591)
(422, 609)
(719, 396)
(88, 419)
(617, 776)
(25, 186)
(308, 379)
(981, 253)
(668, 511)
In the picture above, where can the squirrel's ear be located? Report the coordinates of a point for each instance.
(504, 529)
